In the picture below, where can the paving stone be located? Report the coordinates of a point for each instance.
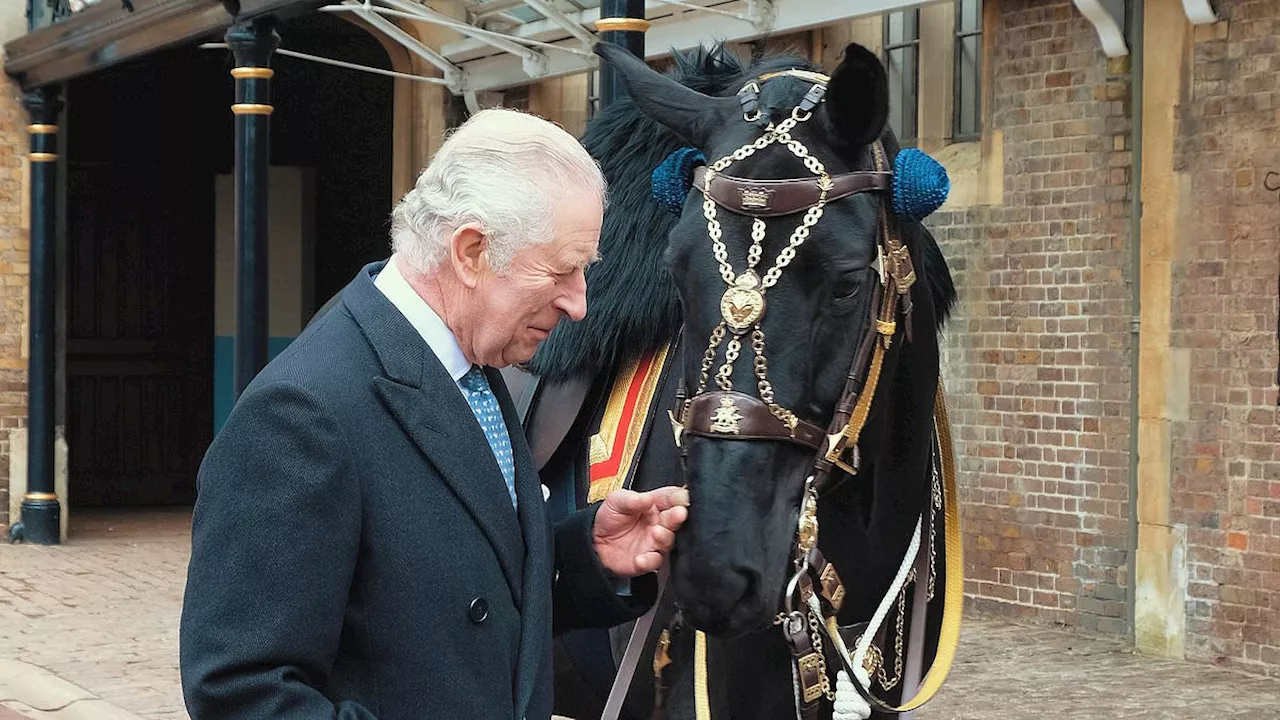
(11, 713)
(36, 687)
(91, 709)
(108, 605)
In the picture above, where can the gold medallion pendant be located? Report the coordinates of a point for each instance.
(743, 304)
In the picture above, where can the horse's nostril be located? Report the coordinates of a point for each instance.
(751, 584)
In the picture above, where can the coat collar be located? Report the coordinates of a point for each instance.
(440, 423)
(424, 399)
(535, 633)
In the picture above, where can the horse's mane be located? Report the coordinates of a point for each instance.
(632, 304)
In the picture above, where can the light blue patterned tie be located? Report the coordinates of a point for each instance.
(485, 406)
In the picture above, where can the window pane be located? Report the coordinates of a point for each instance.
(895, 91)
(895, 28)
(969, 16)
(909, 72)
(968, 90)
(911, 22)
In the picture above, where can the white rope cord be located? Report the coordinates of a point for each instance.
(455, 25)
(849, 705)
(886, 602)
(717, 11)
(340, 63)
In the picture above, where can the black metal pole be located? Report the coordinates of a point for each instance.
(621, 23)
(41, 511)
(252, 45)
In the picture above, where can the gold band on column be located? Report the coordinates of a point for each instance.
(251, 109)
(252, 72)
(622, 25)
(41, 129)
(43, 157)
(39, 496)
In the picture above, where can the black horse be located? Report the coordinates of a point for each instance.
(807, 331)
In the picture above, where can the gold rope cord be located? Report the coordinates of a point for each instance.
(701, 701)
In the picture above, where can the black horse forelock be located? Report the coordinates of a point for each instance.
(632, 304)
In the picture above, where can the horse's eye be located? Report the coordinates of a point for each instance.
(845, 287)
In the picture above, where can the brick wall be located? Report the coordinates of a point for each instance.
(13, 275)
(1037, 360)
(1226, 456)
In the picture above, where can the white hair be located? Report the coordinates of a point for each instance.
(503, 169)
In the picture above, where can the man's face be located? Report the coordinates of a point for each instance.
(515, 311)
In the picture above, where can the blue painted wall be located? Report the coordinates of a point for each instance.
(224, 386)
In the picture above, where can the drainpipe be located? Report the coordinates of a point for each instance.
(1136, 24)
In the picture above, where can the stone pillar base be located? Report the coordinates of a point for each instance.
(18, 475)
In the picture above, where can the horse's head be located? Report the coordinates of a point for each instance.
(780, 280)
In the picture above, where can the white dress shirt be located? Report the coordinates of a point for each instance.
(437, 335)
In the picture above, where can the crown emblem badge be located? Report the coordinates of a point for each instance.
(755, 197)
(725, 418)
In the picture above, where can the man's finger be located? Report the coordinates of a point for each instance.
(663, 538)
(648, 562)
(673, 518)
(628, 502)
(670, 497)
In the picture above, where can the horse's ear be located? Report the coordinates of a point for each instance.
(857, 99)
(682, 110)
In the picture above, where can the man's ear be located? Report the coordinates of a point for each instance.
(469, 253)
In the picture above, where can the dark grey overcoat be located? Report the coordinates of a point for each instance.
(355, 553)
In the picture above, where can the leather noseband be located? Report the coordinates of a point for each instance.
(745, 417)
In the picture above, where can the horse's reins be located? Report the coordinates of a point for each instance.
(815, 592)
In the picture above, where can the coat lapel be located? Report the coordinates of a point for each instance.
(425, 401)
(535, 634)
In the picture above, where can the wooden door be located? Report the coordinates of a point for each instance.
(139, 351)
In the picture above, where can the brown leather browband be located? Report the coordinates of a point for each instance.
(772, 198)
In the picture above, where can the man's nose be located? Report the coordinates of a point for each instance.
(573, 301)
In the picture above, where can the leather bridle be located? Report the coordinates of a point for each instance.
(726, 414)
(815, 592)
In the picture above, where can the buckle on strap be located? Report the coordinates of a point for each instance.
(809, 669)
(808, 661)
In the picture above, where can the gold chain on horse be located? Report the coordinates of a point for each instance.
(743, 303)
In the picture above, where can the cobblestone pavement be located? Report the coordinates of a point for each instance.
(102, 612)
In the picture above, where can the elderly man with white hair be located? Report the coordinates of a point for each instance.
(369, 539)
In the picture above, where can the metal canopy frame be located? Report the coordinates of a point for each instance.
(1107, 18)
(508, 43)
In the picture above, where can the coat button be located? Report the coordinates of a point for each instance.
(479, 610)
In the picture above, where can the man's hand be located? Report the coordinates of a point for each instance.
(634, 530)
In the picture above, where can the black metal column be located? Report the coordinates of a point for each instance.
(252, 45)
(41, 511)
(621, 23)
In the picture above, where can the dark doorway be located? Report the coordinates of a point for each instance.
(139, 333)
(339, 122)
(146, 141)
(143, 141)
